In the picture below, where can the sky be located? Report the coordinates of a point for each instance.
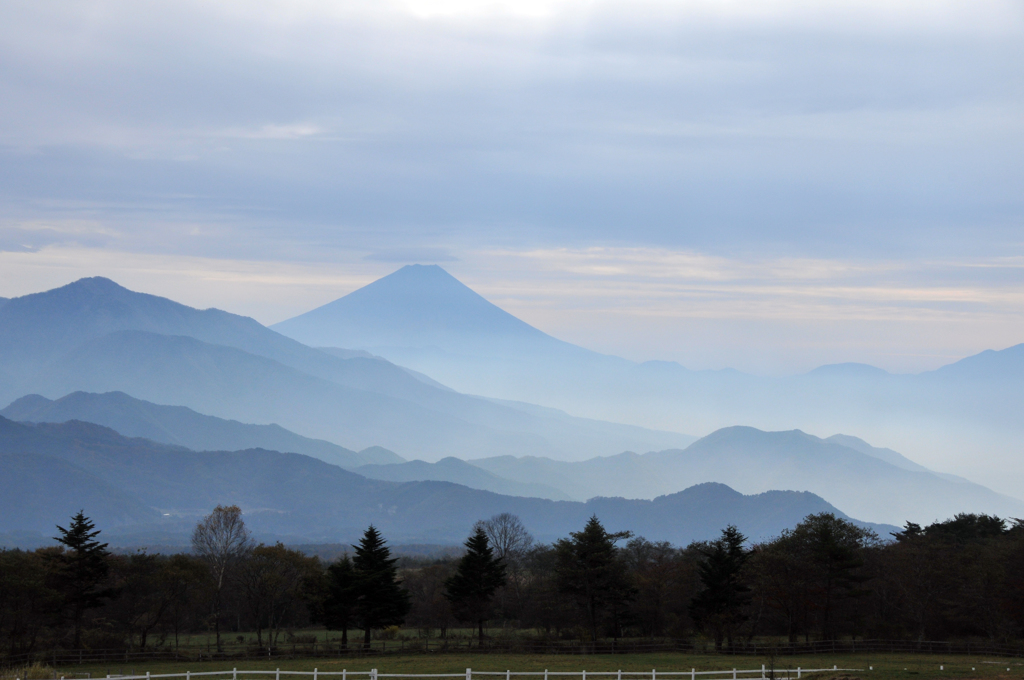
(768, 185)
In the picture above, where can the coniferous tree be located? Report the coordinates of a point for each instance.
(479, 575)
(588, 569)
(381, 601)
(342, 596)
(719, 607)
(82, 568)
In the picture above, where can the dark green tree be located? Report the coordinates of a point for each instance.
(81, 571)
(588, 569)
(342, 595)
(381, 601)
(480, 574)
(719, 607)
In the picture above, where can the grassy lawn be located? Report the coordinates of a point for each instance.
(870, 666)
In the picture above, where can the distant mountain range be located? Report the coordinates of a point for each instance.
(182, 426)
(965, 416)
(873, 484)
(209, 381)
(95, 336)
(460, 472)
(878, 485)
(135, 487)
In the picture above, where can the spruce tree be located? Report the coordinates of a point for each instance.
(381, 601)
(81, 570)
(342, 596)
(588, 569)
(472, 587)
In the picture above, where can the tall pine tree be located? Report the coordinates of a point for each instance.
(472, 588)
(81, 570)
(381, 601)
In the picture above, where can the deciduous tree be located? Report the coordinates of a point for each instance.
(222, 541)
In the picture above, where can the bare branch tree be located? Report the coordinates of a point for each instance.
(509, 539)
(511, 543)
(222, 541)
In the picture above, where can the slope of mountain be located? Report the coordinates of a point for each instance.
(459, 472)
(40, 492)
(888, 455)
(418, 306)
(95, 336)
(184, 427)
(752, 461)
(297, 496)
(964, 417)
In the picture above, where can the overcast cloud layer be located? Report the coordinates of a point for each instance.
(765, 185)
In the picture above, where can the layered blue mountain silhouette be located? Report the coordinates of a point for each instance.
(223, 392)
(136, 487)
(181, 426)
(966, 416)
(95, 336)
(869, 483)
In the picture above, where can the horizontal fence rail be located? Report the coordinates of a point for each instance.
(372, 674)
(333, 649)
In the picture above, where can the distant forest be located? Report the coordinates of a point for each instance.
(824, 579)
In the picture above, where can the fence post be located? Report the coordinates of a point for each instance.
(653, 675)
(733, 674)
(188, 675)
(277, 675)
(798, 673)
(762, 671)
(234, 674)
(314, 674)
(469, 674)
(693, 674)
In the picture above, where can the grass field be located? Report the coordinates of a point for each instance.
(869, 666)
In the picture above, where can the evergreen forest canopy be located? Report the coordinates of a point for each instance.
(826, 578)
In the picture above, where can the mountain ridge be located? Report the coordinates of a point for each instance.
(295, 495)
(963, 417)
(96, 336)
(182, 426)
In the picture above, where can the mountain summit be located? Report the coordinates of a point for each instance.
(420, 307)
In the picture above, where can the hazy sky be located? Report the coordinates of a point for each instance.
(763, 184)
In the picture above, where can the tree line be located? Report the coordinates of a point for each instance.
(825, 579)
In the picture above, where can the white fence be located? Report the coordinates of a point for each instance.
(372, 674)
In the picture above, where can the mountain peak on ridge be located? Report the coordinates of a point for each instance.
(416, 306)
